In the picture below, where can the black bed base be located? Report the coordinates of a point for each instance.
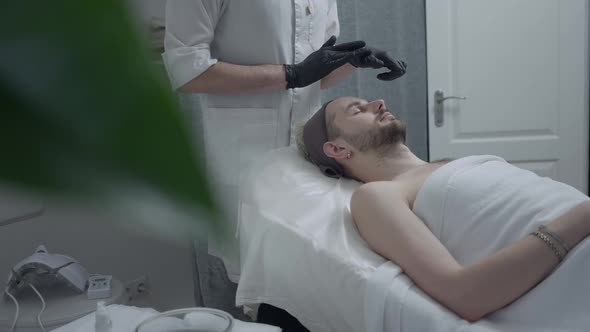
(270, 315)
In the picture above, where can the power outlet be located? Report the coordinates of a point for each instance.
(137, 289)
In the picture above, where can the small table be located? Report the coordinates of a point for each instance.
(63, 305)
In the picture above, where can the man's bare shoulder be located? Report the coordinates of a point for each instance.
(401, 189)
(379, 186)
(375, 192)
(378, 203)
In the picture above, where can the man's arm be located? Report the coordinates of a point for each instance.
(387, 223)
(225, 77)
(230, 78)
(190, 29)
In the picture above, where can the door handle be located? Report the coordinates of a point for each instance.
(439, 98)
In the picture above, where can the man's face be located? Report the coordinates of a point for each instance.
(366, 125)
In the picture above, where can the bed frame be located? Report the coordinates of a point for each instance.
(270, 315)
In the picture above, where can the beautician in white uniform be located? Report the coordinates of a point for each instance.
(261, 64)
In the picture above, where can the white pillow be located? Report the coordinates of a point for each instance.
(299, 247)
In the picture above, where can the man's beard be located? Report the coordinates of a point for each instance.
(380, 139)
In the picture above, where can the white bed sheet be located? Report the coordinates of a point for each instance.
(395, 304)
(313, 264)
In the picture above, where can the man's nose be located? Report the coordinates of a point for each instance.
(377, 105)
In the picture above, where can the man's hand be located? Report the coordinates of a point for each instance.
(379, 59)
(323, 61)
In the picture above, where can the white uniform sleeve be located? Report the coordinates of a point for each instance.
(190, 27)
(332, 25)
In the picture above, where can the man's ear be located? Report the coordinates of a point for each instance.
(334, 150)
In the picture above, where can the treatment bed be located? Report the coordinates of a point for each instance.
(302, 253)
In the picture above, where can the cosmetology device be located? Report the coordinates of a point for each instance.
(55, 282)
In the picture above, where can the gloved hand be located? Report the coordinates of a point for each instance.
(320, 63)
(379, 59)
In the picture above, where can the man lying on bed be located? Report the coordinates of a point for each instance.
(474, 233)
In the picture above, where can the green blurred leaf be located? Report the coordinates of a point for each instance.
(83, 110)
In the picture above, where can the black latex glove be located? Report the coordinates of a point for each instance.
(379, 59)
(322, 62)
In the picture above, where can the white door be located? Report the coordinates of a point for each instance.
(523, 67)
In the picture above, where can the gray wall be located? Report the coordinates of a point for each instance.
(397, 26)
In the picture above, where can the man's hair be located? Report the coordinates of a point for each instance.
(299, 140)
(332, 130)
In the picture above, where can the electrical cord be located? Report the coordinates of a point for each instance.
(16, 314)
(42, 307)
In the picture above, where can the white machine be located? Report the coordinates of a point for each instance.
(43, 269)
(46, 290)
